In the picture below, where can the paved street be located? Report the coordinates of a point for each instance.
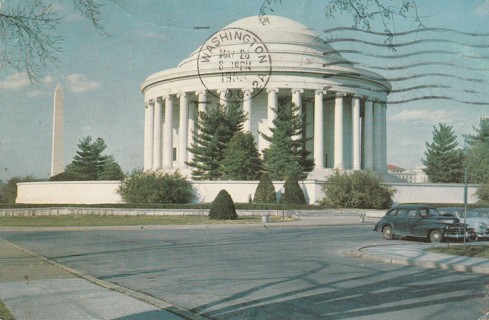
(264, 273)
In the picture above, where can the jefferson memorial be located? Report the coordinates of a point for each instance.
(263, 62)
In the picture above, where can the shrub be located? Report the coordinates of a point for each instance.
(9, 190)
(362, 189)
(222, 208)
(293, 193)
(156, 187)
(265, 191)
(483, 192)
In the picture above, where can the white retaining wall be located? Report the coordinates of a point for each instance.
(98, 192)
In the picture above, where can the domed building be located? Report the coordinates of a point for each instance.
(262, 64)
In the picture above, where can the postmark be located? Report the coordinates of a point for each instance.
(237, 61)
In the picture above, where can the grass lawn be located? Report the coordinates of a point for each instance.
(479, 251)
(4, 313)
(96, 221)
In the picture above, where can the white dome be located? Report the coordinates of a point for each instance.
(291, 48)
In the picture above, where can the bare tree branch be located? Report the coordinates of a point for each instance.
(364, 13)
(29, 37)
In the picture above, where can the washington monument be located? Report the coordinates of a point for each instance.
(57, 157)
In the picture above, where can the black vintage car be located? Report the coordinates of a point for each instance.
(423, 222)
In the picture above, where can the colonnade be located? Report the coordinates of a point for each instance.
(368, 126)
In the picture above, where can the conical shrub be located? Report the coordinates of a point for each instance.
(265, 191)
(222, 208)
(293, 193)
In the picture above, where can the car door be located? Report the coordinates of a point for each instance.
(400, 227)
(410, 221)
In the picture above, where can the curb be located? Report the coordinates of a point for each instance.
(437, 263)
(159, 303)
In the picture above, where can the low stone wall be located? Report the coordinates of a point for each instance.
(63, 211)
(103, 192)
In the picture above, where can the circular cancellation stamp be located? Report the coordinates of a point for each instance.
(236, 60)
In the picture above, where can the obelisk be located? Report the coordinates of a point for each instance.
(57, 157)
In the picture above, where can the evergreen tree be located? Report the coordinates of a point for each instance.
(90, 164)
(477, 153)
(265, 191)
(241, 158)
(111, 170)
(477, 162)
(293, 193)
(287, 156)
(481, 133)
(215, 128)
(444, 162)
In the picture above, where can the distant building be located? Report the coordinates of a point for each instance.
(415, 175)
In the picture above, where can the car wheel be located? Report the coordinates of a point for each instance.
(436, 236)
(472, 236)
(387, 232)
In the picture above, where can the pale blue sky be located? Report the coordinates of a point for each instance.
(101, 76)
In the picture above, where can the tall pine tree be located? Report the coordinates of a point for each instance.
(286, 156)
(477, 153)
(215, 128)
(90, 163)
(444, 161)
(241, 158)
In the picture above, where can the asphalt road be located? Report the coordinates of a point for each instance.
(264, 273)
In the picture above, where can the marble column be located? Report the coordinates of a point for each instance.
(338, 131)
(148, 135)
(377, 136)
(384, 137)
(319, 128)
(168, 133)
(183, 130)
(356, 132)
(247, 103)
(368, 135)
(296, 98)
(157, 134)
(271, 111)
(223, 97)
(202, 100)
(297, 101)
(192, 114)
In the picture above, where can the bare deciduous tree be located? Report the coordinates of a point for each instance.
(29, 39)
(364, 13)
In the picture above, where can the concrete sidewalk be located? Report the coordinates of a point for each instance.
(414, 254)
(32, 287)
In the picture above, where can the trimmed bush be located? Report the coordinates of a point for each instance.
(362, 190)
(156, 187)
(265, 191)
(483, 192)
(293, 193)
(222, 208)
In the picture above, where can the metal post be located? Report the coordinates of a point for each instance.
(465, 206)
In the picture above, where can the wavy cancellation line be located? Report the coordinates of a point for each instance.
(423, 96)
(406, 78)
(407, 66)
(428, 64)
(408, 89)
(409, 32)
(396, 55)
(408, 43)
(477, 103)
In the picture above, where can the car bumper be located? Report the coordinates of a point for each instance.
(457, 232)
